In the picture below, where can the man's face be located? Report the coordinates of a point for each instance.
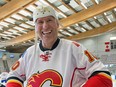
(47, 28)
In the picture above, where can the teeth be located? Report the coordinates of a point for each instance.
(47, 32)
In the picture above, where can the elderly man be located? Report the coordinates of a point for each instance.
(55, 62)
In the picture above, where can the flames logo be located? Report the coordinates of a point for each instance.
(38, 79)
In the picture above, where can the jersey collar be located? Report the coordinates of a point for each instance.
(53, 47)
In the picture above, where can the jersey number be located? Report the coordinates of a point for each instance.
(38, 79)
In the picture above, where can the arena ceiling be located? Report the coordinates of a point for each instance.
(80, 19)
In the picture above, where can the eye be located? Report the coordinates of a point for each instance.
(49, 20)
(39, 22)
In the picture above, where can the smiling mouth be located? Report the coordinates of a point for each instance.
(46, 33)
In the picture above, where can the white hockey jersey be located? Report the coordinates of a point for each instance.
(68, 64)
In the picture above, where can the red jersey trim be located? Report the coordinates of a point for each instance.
(72, 77)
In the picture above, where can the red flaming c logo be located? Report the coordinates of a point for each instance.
(38, 79)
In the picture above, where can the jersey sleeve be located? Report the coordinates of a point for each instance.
(16, 76)
(99, 80)
(86, 62)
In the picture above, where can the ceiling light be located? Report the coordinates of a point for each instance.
(51, 1)
(10, 20)
(62, 14)
(63, 8)
(16, 16)
(31, 7)
(95, 17)
(13, 36)
(7, 32)
(68, 27)
(84, 1)
(1, 27)
(3, 34)
(30, 22)
(4, 24)
(23, 32)
(17, 34)
(7, 38)
(83, 29)
(76, 24)
(25, 13)
(24, 25)
(14, 31)
(18, 28)
(60, 30)
(29, 40)
(112, 38)
(109, 20)
(105, 13)
(84, 5)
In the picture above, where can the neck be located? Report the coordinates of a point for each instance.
(51, 48)
(49, 44)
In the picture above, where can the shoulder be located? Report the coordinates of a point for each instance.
(66, 41)
(30, 50)
(72, 43)
(74, 46)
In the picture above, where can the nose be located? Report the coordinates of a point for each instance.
(45, 25)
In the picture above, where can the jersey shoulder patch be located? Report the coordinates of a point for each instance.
(75, 43)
